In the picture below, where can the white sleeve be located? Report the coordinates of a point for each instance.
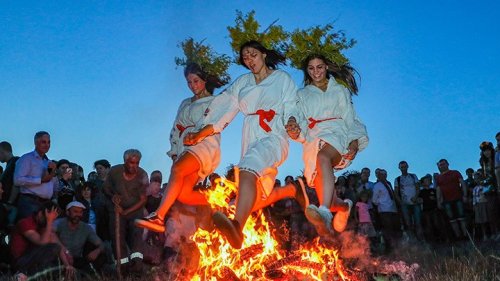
(223, 108)
(290, 99)
(175, 141)
(356, 130)
(301, 119)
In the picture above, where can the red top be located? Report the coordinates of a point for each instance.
(449, 183)
(19, 244)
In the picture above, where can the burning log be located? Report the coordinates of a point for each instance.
(228, 275)
(251, 251)
(275, 274)
(282, 262)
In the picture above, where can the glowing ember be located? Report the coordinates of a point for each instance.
(260, 257)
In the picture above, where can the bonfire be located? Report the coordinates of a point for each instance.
(260, 257)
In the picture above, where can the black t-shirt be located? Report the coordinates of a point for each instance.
(7, 179)
(429, 199)
(152, 203)
(129, 190)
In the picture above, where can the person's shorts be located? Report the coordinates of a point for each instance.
(454, 209)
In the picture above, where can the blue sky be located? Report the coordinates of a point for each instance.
(100, 76)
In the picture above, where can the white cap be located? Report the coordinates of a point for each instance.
(75, 204)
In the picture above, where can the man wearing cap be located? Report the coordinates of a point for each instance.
(75, 235)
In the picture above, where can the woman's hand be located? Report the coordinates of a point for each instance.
(352, 150)
(192, 138)
(292, 128)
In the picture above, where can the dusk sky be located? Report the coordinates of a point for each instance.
(100, 76)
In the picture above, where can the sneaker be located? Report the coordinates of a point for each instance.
(151, 222)
(341, 217)
(300, 193)
(321, 218)
(229, 229)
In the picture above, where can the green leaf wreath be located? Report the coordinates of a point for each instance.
(247, 29)
(211, 62)
(321, 40)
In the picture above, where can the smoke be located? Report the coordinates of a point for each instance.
(356, 248)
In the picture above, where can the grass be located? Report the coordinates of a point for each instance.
(453, 262)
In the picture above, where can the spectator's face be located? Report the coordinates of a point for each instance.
(41, 220)
(3, 155)
(155, 188)
(92, 176)
(62, 169)
(382, 175)
(442, 166)
(195, 84)
(86, 193)
(102, 171)
(156, 177)
(341, 181)
(477, 178)
(365, 175)
(487, 153)
(426, 181)
(403, 167)
(469, 173)
(288, 180)
(42, 144)
(132, 165)
(75, 214)
(277, 183)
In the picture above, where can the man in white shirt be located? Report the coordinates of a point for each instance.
(385, 199)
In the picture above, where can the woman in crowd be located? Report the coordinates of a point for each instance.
(333, 137)
(487, 162)
(267, 98)
(194, 162)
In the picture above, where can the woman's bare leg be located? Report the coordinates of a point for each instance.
(181, 175)
(246, 197)
(327, 158)
(278, 193)
(189, 196)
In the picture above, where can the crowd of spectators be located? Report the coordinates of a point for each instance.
(51, 217)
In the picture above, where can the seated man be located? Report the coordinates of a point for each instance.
(75, 235)
(34, 247)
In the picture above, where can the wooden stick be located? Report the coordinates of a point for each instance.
(117, 239)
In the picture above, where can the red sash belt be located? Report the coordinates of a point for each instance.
(182, 128)
(265, 115)
(313, 122)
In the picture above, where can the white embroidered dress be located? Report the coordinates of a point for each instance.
(328, 117)
(190, 119)
(264, 140)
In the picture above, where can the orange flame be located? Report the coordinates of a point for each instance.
(260, 257)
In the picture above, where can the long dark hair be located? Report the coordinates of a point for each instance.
(212, 81)
(273, 58)
(344, 73)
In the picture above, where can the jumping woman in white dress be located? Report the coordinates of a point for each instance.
(268, 99)
(191, 163)
(333, 135)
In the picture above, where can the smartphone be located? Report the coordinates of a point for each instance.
(69, 170)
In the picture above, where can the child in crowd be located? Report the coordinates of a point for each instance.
(431, 217)
(363, 219)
